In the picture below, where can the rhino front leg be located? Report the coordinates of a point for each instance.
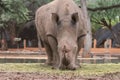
(74, 63)
(80, 44)
(77, 62)
(49, 54)
(53, 45)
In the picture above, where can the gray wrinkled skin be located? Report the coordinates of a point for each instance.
(61, 29)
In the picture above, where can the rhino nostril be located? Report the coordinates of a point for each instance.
(65, 50)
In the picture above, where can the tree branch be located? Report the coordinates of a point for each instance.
(103, 8)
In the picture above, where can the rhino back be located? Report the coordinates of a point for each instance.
(43, 15)
(43, 19)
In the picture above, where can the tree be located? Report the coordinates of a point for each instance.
(33, 5)
(105, 14)
(15, 13)
(12, 12)
(88, 38)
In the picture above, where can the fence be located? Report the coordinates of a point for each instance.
(95, 54)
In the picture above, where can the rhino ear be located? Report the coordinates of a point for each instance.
(75, 17)
(55, 18)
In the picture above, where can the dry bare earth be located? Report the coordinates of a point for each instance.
(45, 76)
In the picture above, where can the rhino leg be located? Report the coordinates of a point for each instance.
(53, 45)
(49, 54)
(74, 63)
(77, 61)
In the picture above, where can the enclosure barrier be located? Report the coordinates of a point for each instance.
(25, 53)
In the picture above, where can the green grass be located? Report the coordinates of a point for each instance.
(86, 70)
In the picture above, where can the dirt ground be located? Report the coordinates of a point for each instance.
(46, 76)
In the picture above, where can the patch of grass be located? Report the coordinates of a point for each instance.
(86, 70)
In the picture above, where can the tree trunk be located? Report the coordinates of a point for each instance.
(88, 38)
(12, 31)
(3, 42)
(3, 45)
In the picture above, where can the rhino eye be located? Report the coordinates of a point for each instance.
(59, 22)
(73, 22)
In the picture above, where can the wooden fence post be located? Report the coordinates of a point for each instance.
(107, 46)
(95, 41)
(24, 44)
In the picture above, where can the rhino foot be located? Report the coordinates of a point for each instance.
(78, 64)
(59, 67)
(63, 67)
(55, 67)
(49, 63)
(73, 67)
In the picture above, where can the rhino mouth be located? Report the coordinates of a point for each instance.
(65, 62)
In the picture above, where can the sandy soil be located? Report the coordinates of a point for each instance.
(45, 76)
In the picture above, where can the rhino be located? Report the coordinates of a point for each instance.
(60, 26)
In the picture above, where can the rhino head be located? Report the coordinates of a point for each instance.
(68, 41)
